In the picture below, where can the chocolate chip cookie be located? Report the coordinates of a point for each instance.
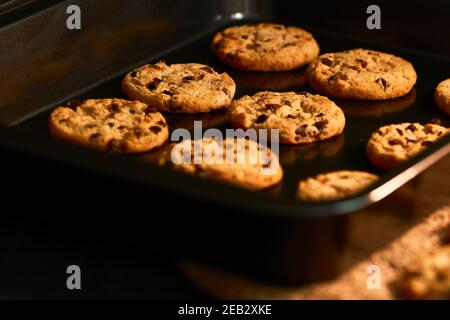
(265, 47)
(429, 277)
(184, 88)
(442, 96)
(391, 145)
(110, 124)
(240, 162)
(300, 117)
(361, 74)
(334, 185)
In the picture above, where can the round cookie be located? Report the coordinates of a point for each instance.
(361, 74)
(334, 185)
(184, 88)
(442, 96)
(429, 277)
(300, 117)
(110, 124)
(265, 47)
(393, 144)
(240, 162)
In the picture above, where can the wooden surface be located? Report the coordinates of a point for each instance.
(389, 235)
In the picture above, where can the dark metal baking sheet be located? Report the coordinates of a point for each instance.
(343, 152)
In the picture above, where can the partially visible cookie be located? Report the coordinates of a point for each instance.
(442, 96)
(110, 124)
(361, 74)
(300, 117)
(265, 47)
(334, 185)
(429, 277)
(393, 144)
(240, 162)
(185, 88)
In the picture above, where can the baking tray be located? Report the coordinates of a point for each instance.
(274, 235)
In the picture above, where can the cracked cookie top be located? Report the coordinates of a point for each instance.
(334, 185)
(361, 75)
(110, 124)
(265, 47)
(300, 117)
(393, 144)
(185, 88)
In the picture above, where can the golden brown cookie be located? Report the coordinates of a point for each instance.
(184, 88)
(429, 277)
(300, 117)
(393, 144)
(334, 185)
(240, 162)
(361, 74)
(265, 47)
(442, 96)
(110, 124)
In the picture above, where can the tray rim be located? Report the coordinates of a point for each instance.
(211, 190)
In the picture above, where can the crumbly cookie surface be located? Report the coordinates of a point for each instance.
(265, 47)
(300, 117)
(393, 144)
(442, 96)
(429, 277)
(240, 162)
(361, 74)
(334, 185)
(110, 124)
(184, 88)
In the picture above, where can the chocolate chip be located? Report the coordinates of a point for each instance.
(138, 132)
(302, 130)
(244, 36)
(200, 77)
(188, 78)
(267, 165)
(272, 106)
(261, 118)
(73, 103)
(133, 74)
(353, 68)
(383, 83)
(230, 56)
(394, 142)
(155, 129)
(362, 62)
(321, 124)
(110, 124)
(327, 62)
(169, 93)
(399, 131)
(122, 127)
(290, 116)
(224, 90)
(154, 84)
(113, 108)
(426, 143)
(90, 126)
(95, 137)
(114, 144)
(411, 127)
(161, 124)
(319, 115)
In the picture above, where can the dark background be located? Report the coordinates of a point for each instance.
(43, 203)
